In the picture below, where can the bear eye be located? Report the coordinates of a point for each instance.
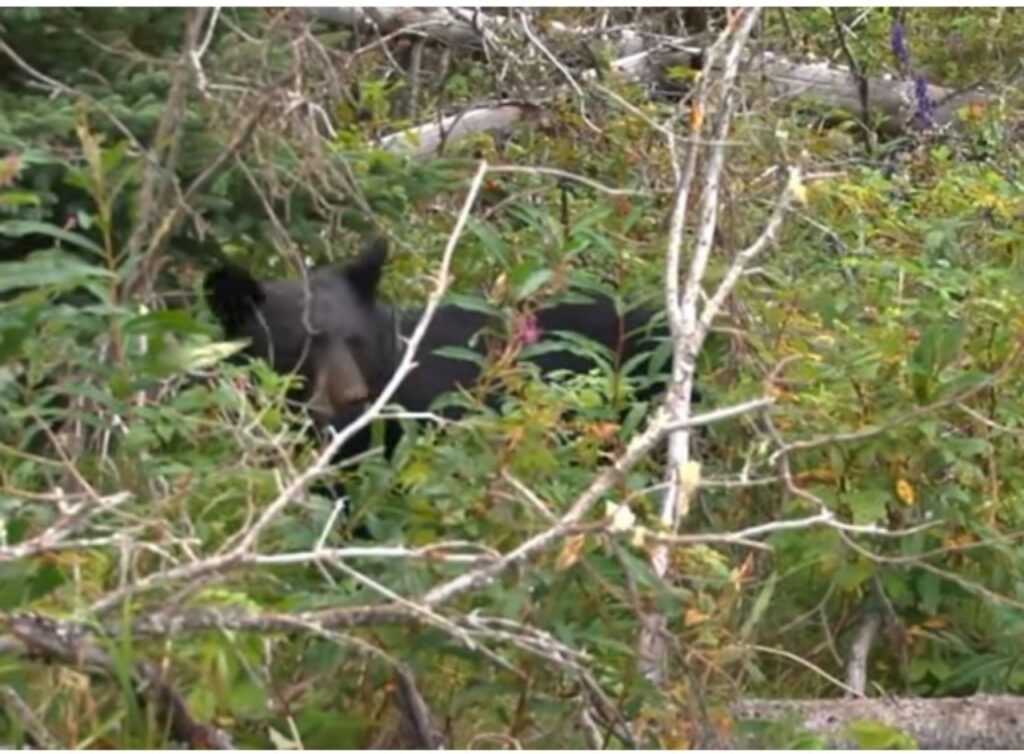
(356, 342)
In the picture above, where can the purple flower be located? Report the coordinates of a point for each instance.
(924, 114)
(898, 42)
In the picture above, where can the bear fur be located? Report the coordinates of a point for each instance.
(327, 327)
(331, 329)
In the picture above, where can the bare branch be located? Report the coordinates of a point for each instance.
(37, 733)
(65, 644)
(865, 433)
(682, 313)
(242, 551)
(860, 651)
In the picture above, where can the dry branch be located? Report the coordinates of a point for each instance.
(450, 26)
(416, 728)
(431, 138)
(69, 644)
(860, 652)
(648, 59)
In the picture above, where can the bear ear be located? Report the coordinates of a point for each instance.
(366, 271)
(232, 293)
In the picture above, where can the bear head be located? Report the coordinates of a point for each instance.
(327, 327)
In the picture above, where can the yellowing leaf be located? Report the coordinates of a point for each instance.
(689, 475)
(905, 492)
(570, 552)
(639, 537)
(500, 288)
(696, 118)
(959, 540)
(694, 617)
(935, 622)
(689, 480)
(603, 431)
(620, 517)
(10, 167)
(798, 187)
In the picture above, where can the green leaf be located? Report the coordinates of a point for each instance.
(492, 241)
(164, 321)
(764, 598)
(472, 304)
(929, 590)
(867, 506)
(48, 268)
(19, 228)
(869, 734)
(19, 199)
(460, 353)
(852, 575)
(939, 346)
(532, 283)
(189, 358)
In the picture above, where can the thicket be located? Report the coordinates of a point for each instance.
(141, 147)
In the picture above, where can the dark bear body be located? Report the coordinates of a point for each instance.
(436, 374)
(597, 320)
(331, 329)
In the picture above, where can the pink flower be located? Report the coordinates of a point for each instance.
(527, 330)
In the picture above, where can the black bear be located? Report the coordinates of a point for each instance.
(331, 329)
(626, 335)
(327, 327)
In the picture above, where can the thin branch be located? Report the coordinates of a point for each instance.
(860, 651)
(805, 663)
(34, 729)
(682, 313)
(565, 175)
(63, 643)
(638, 448)
(320, 464)
(866, 433)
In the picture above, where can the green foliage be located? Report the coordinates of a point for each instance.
(868, 734)
(893, 300)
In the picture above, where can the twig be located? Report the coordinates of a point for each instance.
(34, 729)
(721, 414)
(239, 558)
(418, 730)
(159, 174)
(966, 584)
(565, 175)
(66, 644)
(860, 650)
(751, 533)
(745, 257)
(805, 663)
(243, 549)
(172, 216)
(857, 72)
(536, 41)
(866, 433)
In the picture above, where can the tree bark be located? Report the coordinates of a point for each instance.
(976, 722)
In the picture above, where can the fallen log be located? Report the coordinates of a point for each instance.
(974, 722)
(648, 59)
